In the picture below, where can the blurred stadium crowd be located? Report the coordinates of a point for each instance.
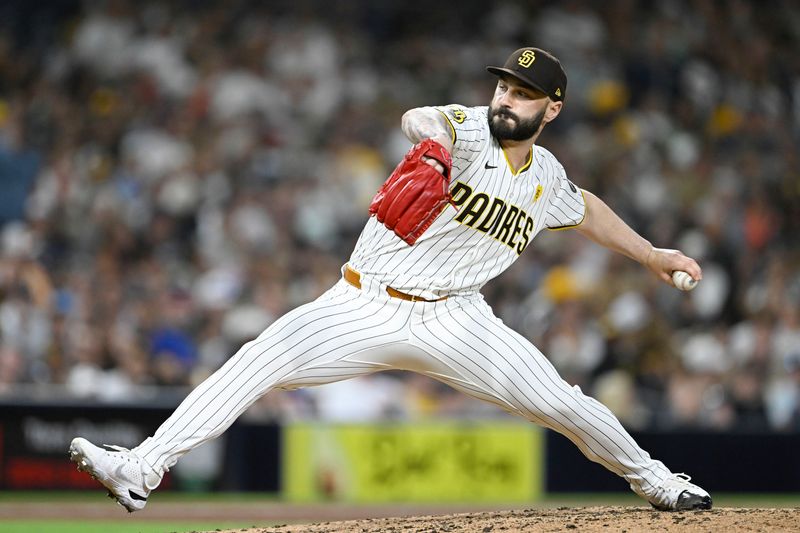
(177, 175)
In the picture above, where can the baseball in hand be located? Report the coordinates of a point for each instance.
(683, 281)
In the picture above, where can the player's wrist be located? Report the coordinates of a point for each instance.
(649, 254)
(445, 141)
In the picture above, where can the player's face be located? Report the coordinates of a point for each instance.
(516, 111)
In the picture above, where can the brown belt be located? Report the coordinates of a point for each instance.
(354, 278)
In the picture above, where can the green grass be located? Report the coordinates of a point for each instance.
(116, 526)
(571, 499)
(138, 523)
(721, 499)
(99, 495)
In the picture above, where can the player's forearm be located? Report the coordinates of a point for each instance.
(604, 227)
(427, 123)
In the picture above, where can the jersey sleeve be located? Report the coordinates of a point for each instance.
(469, 132)
(567, 207)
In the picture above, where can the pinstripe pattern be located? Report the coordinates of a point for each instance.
(348, 332)
(502, 363)
(311, 344)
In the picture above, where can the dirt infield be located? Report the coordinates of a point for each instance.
(331, 517)
(591, 519)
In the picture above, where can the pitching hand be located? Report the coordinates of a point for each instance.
(663, 262)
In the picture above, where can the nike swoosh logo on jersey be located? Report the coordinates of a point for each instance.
(488, 166)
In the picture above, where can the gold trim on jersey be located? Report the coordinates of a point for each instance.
(523, 168)
(585, 210)
(452, 129)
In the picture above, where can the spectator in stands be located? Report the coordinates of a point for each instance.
(157, 151)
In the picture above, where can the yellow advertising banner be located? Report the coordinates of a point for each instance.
(441, 462)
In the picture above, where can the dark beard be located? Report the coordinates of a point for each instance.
(520, 131)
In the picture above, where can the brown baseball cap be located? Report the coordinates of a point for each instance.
(537, 68)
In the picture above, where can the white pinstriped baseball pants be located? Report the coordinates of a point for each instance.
(349, 332)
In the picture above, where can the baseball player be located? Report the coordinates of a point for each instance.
(459, 209)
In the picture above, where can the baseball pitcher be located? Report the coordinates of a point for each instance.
(458, 210)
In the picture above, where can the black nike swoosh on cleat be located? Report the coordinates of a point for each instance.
(488, 166)
(135, 496)
(691, 502)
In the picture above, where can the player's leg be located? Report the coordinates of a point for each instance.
(492, 362)
(327, 340)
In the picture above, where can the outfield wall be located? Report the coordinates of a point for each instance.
(456, 461)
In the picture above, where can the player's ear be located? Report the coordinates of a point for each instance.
(553, 109)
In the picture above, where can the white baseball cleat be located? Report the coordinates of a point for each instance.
(677, 494)
(128, 479)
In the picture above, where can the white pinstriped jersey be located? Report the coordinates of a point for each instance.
(354, 331)
(497, 214)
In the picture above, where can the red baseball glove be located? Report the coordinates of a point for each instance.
(415, 193)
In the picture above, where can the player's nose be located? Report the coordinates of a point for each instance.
(504, 100)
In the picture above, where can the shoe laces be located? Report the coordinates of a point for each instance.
(125, 452)
(129, 453)
(116, 448)
(680, 476)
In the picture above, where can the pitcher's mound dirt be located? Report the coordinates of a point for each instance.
(582, 519)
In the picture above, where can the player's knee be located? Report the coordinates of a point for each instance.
(543, 413)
